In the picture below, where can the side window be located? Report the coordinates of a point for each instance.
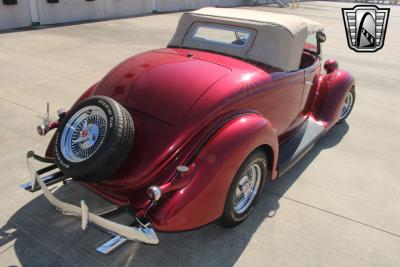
(311, 43)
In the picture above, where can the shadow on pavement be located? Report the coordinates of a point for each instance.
(44, 237)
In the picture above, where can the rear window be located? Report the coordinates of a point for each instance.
(227, 36)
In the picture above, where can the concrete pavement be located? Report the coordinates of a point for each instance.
(337, 207)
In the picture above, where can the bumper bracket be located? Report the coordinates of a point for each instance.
(121, 233)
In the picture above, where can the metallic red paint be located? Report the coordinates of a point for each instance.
(330, 65)
(331, 95)
(202, 201)
(165, 81)
(207, 111)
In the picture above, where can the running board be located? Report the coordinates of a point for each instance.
(297, 146)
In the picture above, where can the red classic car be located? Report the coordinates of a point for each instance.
(188, 134)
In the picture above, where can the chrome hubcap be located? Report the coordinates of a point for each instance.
(348, 103)
(83, 134)
(247, 188)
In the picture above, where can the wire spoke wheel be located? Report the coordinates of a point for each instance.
(84, 134)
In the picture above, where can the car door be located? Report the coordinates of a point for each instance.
(310, 65)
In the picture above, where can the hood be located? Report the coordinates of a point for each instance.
(162, 85)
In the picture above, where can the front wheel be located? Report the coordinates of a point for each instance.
(245, 189)
(348, 104)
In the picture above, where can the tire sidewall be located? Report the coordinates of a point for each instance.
(230, 217)
(67, 166)
(353, 92)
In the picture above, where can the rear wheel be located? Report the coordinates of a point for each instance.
(245, 189)
(348, 105)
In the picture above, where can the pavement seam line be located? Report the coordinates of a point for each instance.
(335, 214)
(22, 106)
(5, 250)
(7, 246)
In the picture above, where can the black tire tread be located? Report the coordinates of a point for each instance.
(353, 91)
(229, 218)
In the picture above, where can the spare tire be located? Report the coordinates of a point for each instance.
(94, 139)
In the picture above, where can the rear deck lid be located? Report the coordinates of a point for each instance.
(162, 85)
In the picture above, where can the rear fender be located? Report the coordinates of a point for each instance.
(331, 94)
(202, 200)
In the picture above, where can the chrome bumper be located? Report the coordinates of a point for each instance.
(143, 233)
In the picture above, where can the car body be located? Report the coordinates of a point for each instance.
(202, 106)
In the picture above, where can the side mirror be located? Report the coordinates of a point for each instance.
(321, 37)
(330, 65)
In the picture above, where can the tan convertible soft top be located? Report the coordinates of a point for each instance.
(278, 39)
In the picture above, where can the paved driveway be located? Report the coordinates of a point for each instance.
(339, 206)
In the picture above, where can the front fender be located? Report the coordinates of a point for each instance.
(202, 200)
(331, 94)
